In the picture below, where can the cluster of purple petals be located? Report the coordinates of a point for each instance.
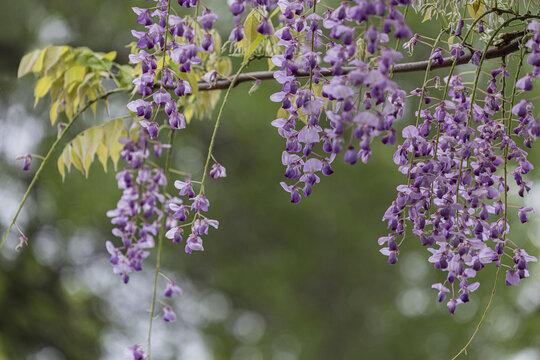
(27, 161)
(359, 105)
(138, 213)
(181, 47)
(455, 161)
(144, 206)
(180, 212)
(136, 352)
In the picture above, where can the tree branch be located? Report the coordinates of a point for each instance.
(493, 53)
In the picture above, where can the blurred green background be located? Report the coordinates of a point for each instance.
(277, 281)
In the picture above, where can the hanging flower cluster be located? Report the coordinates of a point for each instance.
(456, 197)
(360, 104)
(335, 67)
(337, 97)
(138, 214)
(455, 158)
(169, 42)
(169, 46)
(200, 223)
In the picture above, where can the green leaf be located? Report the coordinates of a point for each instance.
(275, 12)
(125, 75)
(250, 29)
(252, 47)
(270, 65)
(27, 62)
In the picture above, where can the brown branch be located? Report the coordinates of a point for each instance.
(497, 52)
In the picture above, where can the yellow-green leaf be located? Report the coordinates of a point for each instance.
(66, 154)
(427, 15)
(92, 95)
(250, 29)
(77, 146)
(282, 113)
(252, 47)
(91, 140)
(116, 149)
(75, 160)
(38, 64)
(189, 112)
(102, 154)
(274, 13)
(57, 87)
(224, 66)
(52, 55)
(270, 65)
(110, 56)
(42, 88)
(74, 74)
(112, 130)
(60, 164)
(27, 62)
(53, 112)
(476, 9)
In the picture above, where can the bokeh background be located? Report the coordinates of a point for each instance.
(277, 281)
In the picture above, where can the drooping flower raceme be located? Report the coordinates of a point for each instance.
(359, 105)
(334, 66)
(455, 161)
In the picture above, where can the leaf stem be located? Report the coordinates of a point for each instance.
(164, 216)
(312, 49)
(218, 119)
(160, 247)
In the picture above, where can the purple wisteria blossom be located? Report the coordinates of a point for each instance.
(200, 224)
(139, 211)
(455, 197)
(27, 161)
(218, 171)
(168, 314)
(354, 117)
(136, 352)
(171, 289)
